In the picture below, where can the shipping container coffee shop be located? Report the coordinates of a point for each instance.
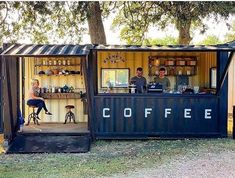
(96, 81)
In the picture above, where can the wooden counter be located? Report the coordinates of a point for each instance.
(61, 95)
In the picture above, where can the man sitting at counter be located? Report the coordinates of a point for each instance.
(161, 79)
(139, 80)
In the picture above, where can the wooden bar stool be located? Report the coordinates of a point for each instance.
(69, 115)
(33, 116)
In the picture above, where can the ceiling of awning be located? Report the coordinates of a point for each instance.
(47, 50)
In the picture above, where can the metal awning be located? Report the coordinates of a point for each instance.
(84, 50)
(47, 50)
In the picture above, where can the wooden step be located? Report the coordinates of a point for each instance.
(49, 143)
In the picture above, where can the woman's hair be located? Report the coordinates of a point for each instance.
(33, 81)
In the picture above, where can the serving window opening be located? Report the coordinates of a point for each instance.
(186, 72)
(62, 86)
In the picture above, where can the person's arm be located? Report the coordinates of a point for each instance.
(168, 84)
(31, 95)
(155, 80)
(132, 81)
(145, 82)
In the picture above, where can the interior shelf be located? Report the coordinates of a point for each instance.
(41, 65)
(61, 95)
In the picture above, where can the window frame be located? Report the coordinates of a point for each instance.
(101, 79)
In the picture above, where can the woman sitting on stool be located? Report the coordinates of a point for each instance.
(35, 100)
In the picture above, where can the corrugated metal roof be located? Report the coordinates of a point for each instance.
(223, 47)
(47, 50)
(83, 50)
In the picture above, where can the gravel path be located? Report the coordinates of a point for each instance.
(206, 165)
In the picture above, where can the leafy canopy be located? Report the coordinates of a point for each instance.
(135, 18)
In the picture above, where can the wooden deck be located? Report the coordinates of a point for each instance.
(80, 127)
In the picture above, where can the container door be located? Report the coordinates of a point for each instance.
(10, 96)
(1, 104)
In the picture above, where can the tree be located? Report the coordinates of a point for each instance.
(183, 14)
(134, 19)
(230, 36)
(210, 40)
(95, 23)
(44, 22)
(161, 41)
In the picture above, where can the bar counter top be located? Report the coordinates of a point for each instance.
(167, 95)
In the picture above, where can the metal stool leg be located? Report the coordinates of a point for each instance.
(70, 116)
(66, 117)
(29, 119)
(73, 117)
(33, 116)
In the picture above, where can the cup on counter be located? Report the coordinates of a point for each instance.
(59, 90)
(196, 89)
(53, 89)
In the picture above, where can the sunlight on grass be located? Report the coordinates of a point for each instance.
(230, 125)
(1, 142)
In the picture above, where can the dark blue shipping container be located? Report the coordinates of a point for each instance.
(132, 116)
(1, 116)
(140, 115)
(156, 115)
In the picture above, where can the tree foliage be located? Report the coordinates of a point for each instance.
(65, 22)
(161, 41)
(135, 18)
(210, 40)
(44, 22)
(230, 36)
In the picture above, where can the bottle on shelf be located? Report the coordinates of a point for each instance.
(64, 62)
(44, 62)
(50, 62)
(59, 62)
(55, 62)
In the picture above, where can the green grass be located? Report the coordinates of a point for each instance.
(109, 157)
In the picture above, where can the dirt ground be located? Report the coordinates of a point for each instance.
(195, 158)
(205, 165)
(186, 158)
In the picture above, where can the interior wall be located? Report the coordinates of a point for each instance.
(231, 86)
(206, 60)
(55, 106)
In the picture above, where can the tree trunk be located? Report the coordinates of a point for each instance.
(95, 23)
(184, 32)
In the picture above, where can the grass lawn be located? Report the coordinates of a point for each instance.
(109, 157)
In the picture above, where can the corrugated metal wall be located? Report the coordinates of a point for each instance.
(140, 59)
(10, 96)
(56, 106)
(113, 123)
(1, 101)
(207, 60)
(231, 86)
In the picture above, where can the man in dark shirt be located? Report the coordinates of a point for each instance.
(139, 80)
(161, 79)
